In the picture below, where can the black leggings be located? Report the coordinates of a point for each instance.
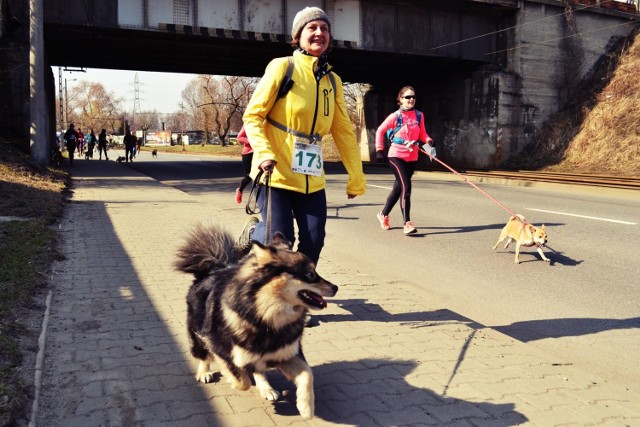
(246, 165)
(403, 171)
(102, 148)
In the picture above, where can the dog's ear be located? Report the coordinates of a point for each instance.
(280, 242)
(263, 254)
(532, 228)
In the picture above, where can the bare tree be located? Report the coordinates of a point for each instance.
(191, 99)
(90, 106)
(223, 102)
(173, 122)
(215, 104)
(353, 98)
(148, 120)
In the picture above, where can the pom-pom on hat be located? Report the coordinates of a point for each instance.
(305, 16)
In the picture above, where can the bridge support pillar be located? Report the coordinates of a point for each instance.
(27, 102)
(37, 98)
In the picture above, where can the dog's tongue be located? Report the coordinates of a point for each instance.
(314, 299)
(321, 302)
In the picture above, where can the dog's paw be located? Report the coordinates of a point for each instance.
(547, 260)
(305, 402)
(206, 377)
(243, 383)
(306, 408)
(517, 261)
(270, 394)
(265, 389)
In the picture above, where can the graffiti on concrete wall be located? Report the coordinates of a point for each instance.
(452, 139)
(473, 142)
(529, 125)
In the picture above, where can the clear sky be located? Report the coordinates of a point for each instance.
(157, 91)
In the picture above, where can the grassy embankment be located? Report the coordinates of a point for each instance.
(27, 249)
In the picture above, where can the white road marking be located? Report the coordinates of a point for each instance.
(379, 186)
(585, 216)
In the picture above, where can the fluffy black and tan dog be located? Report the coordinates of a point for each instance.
(247, 312)
(154, 153)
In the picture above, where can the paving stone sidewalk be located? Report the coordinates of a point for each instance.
(117, 350)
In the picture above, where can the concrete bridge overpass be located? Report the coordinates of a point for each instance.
(373, 40)
(487, 72)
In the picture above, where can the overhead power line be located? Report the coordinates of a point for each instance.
(524, 25)
(561, 38)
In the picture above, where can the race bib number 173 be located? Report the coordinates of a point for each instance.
(307, 159)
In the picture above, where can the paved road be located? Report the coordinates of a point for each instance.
(387, 351)
(584, 308)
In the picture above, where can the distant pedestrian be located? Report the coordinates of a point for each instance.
(129, 146)
(407, 135)
(71, 141)
(134, 148)
(91, 143)
(102, 144)
(81, 142)
(247, 158)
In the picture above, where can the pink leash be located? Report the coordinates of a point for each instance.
(470, 183)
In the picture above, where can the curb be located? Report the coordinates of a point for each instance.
(42, 340)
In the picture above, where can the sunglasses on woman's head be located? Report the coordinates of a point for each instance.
(409, 97)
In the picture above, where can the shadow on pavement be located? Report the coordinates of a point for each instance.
(533, 330)
(360, 309)
(376, 392)
(114, 351)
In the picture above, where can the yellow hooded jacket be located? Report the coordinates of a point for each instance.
(296, 111)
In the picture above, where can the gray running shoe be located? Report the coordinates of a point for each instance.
(244, 240)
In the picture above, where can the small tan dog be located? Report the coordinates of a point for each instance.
(524, 234)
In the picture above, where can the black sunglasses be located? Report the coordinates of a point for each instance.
(409, 97)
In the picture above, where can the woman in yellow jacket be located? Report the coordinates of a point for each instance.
(285, 133)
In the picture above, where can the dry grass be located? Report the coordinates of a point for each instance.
(27, 191)
(227, 150)
(28, 249)
(609, 139)
(600, 133)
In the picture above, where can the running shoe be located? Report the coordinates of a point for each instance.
(384, 221)
(238, 196)
(409, 228)
(244, 240)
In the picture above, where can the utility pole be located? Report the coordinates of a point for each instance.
(66, 105)
(182, 124)
(136, 99)
(64, 101)
(61, 123)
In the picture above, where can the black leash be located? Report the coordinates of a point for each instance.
(252, 207)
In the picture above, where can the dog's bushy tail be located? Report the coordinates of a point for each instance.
(207, 247)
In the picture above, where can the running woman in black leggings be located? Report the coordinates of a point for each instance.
(247, 158)
(405, 128)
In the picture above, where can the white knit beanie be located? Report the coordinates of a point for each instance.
(305, 16)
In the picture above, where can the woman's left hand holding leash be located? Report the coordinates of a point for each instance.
(267, 166)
